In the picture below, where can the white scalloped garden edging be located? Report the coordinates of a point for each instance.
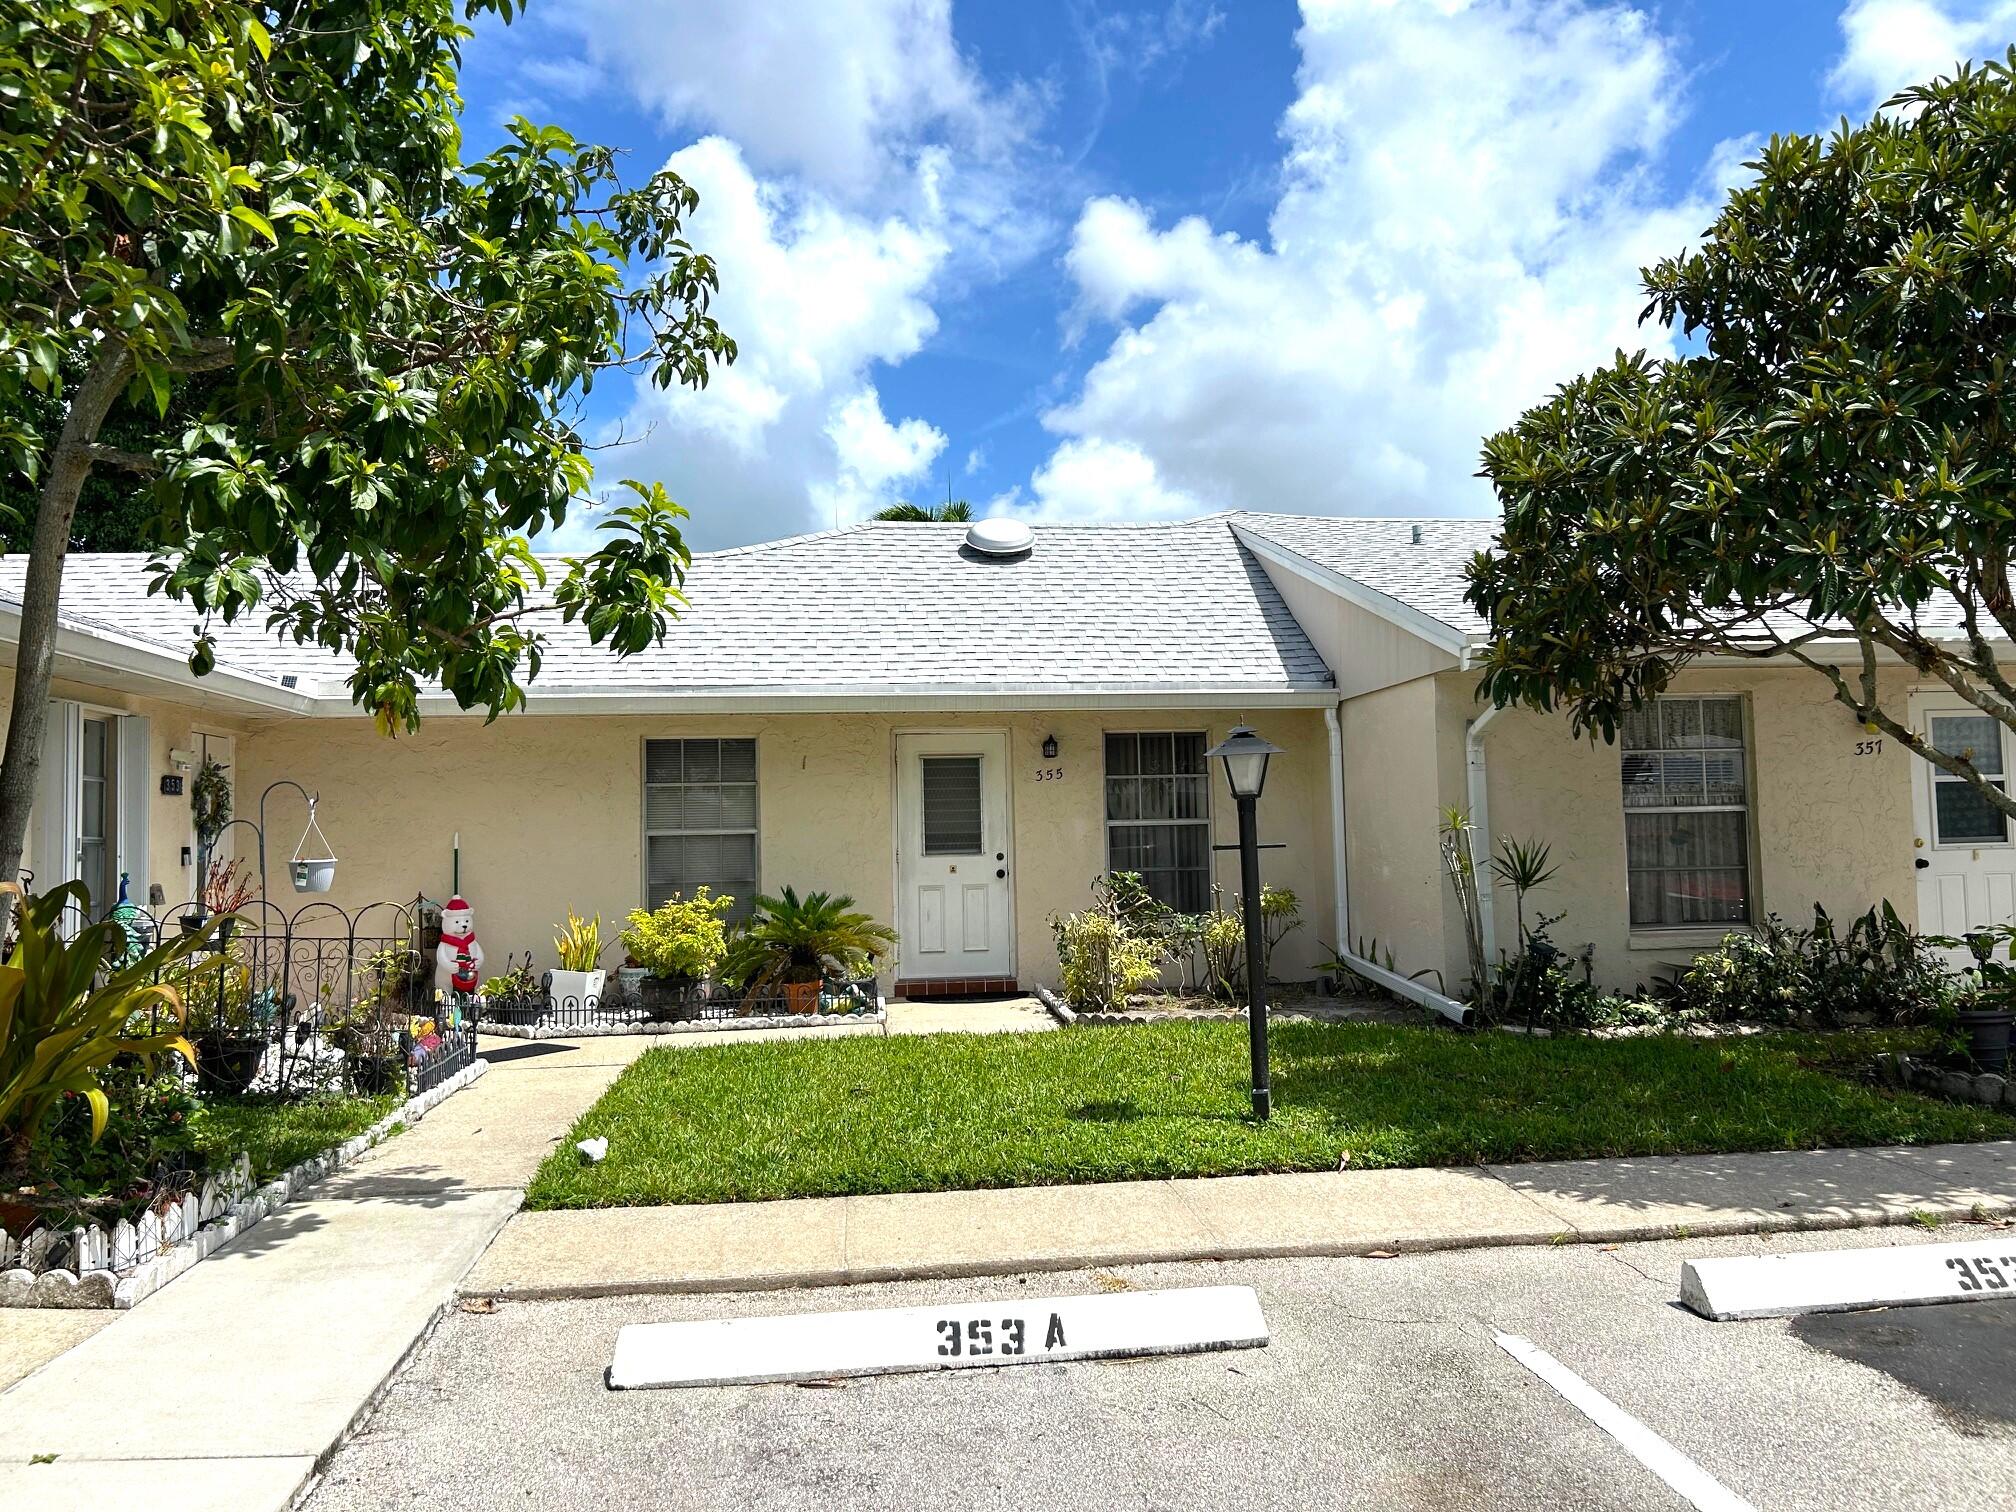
(192, 1229)
(544, 1031)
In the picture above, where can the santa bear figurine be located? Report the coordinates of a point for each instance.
(458, 959)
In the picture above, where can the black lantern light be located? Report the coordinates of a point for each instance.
(1049, 747)
(1245, 756)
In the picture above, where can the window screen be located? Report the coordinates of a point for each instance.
(1687, 813)
(1158, 820)
(700, 820)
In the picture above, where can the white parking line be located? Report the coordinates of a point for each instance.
(1697, 1486)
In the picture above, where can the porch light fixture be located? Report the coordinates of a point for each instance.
(1049, 747)
(1245, 756)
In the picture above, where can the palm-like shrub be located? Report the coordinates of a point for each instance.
(789, 940)
(58, 1031)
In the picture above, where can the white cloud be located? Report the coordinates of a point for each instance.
(1467, 203)
(1893, 43)
(793, 435)
(1104, 480)
(840, 92)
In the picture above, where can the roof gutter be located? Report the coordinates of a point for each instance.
(607, 699)
(125, 661)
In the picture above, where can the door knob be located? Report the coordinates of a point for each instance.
(1001, 872)
(1920, 862)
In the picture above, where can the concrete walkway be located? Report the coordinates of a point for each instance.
(845, 1240)
(227, 1389)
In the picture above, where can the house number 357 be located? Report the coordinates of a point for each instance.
(1049, 774)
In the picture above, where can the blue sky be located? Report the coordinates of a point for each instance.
(1093, 259)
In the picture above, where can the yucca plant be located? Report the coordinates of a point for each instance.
(58, 1031)
(579, 944)
(789, 940)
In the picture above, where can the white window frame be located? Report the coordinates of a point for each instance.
(754, 830)
(1752, 901)
(1111, 824)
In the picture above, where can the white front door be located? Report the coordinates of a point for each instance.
(1963, 854)
(954, 893)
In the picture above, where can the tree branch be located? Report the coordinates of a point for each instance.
(140, 462)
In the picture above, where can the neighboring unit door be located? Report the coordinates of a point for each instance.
(1964, 857)
(954, 911)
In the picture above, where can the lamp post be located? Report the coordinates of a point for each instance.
(1245, 756)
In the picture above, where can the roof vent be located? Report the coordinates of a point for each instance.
(1000, 537)
(1414, 535)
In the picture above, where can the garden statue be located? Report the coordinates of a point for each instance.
(458, 959)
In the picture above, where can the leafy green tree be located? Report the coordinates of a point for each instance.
(395, 342)
(1825, 475)
(925, 514)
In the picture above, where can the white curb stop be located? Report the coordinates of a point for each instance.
(956, 1336)
(1905, 1275)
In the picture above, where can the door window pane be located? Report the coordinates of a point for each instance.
(1961, 813)
(1967, 817)
(951, 793)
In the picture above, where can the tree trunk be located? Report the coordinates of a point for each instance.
(35, 654)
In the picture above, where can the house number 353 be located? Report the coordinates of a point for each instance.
(1049, 774)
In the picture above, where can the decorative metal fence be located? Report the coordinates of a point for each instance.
(635, 1004)
(320, 999)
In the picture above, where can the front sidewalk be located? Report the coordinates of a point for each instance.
(227, 1389)
(839, 1241)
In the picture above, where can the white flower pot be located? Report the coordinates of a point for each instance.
(574, 990)
(314, 876)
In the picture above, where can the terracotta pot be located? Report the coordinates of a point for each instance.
(801, 997)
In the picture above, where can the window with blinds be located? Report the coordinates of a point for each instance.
(1687, 813)
(951, 792)
(700, 820)
(1158, 819)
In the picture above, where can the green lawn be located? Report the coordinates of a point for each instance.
(933, 1112)
(280, 1134)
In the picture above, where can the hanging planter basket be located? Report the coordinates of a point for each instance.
(313, 867)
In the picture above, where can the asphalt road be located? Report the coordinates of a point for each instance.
(1383, 1387)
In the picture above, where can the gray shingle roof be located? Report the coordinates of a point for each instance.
(1382, 555)
(875, 606)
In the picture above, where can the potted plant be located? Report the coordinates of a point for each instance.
(791, 946)
(224, 1021)
(679, 944)
(513, 996)
(368, 1031)
(227, 887)
(1986, 1013)
(578, 980)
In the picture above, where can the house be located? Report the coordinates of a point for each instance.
(963, 731)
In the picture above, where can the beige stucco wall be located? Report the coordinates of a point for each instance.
(550, 811)
(1827, 825)
(1364, 651)
(170, 726)
(1392, 796)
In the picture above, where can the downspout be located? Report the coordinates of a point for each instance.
(1340, 866)
(1480, 823)
(1371, 971)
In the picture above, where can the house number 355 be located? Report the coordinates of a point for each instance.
(1049, 774)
